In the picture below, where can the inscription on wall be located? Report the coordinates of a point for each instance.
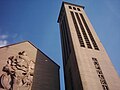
(17, 73)
(100, 74)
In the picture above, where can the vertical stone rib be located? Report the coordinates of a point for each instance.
(90, 34)
(77, 30)
(83, 31)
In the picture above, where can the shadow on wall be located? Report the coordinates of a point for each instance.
(46, 74)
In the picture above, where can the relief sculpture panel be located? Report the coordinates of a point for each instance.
(17, 73)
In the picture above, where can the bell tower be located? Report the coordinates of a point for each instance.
(86, 63)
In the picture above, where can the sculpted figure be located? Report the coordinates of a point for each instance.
(18, 73)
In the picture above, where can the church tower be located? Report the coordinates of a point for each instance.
(86, 63)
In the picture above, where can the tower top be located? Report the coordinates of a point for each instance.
(72, 4)
(62, 8)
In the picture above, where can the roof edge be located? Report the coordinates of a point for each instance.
(14, 44)
(62, 6)
(43, 53)
(73, 4)
(33, 46)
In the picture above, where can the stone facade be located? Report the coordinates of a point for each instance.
(86, 63)
(24, 67)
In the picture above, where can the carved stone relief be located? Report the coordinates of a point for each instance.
(17, 73)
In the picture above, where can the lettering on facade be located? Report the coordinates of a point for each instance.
(17, 73)
(100, 74)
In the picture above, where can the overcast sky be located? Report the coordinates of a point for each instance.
(36, 21)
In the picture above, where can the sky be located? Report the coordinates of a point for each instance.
(36, 21)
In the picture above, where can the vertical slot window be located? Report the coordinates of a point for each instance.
(83, 31)
(77, 30)
(90, 34)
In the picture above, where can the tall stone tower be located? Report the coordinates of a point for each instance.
(86, 63)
